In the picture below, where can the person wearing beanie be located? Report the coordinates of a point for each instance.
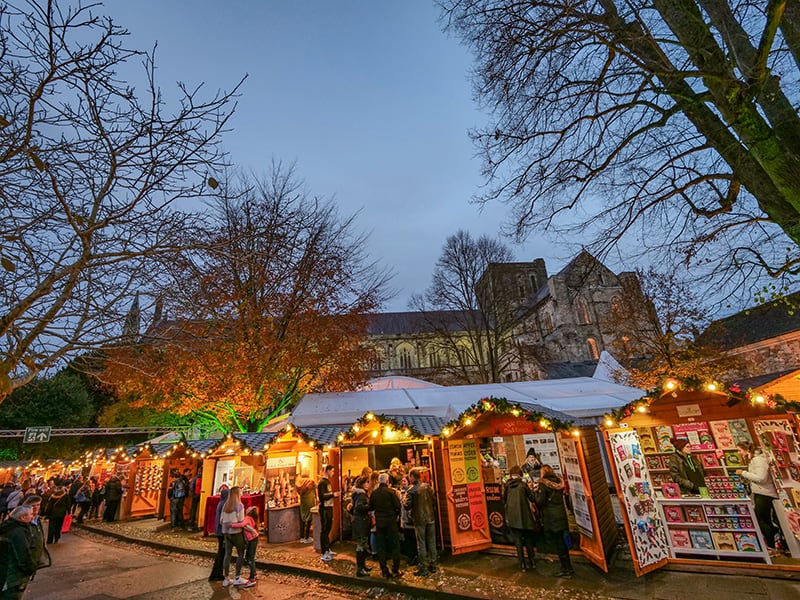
(684, 469)
(532, 466)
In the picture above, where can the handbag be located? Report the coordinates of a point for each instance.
(67, 523)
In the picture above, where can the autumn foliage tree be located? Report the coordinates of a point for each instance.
(90, 171)
(275, 306)
(657, 320)
(674, 122)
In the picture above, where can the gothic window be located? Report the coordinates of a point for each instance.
(547, 322)
(583, 311)
(593, 353)
(406, 362)
(434, 359)
(375, 361)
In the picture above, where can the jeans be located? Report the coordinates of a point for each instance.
(233, 540)
(426, 544)
(326, 522)
(251, 556)
(176, 512)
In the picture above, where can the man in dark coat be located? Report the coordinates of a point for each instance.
(517, 497)
(113, 494)
(18, 554)
(420, 502)
(385, 503)
(684, 469)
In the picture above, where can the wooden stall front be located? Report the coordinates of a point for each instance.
(717, 524)
(147, 481)
(181, 455)
(374, 440)
(289, 453)
(475, 453)
(237, 459)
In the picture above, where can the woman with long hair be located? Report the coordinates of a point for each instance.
(56, 511)
(550, 500)
(233, 512)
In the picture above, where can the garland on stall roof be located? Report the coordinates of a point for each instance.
(502, 406)
(673, 385)
(408, 431)
(298, 433)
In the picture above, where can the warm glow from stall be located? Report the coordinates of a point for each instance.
(760, 399)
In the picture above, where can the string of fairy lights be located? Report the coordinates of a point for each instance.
(732, 394)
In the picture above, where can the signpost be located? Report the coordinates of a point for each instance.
(35, 435)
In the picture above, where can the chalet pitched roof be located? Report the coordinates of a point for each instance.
(565, 370)
(753, 325)
(394, 323)
(759, 380)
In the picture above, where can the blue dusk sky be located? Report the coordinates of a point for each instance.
(369, 98)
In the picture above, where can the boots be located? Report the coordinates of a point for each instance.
(531, 553)
(361, 560)
(521, 558)
(566, 567)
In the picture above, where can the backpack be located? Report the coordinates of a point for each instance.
(178, 488)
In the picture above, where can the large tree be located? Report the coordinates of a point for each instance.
(474, 329)
(90, 171)
(275, 305)
(679, 116)
(657, 320)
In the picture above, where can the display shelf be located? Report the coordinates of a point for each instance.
(686, 534)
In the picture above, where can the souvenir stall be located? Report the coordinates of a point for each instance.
(717, 522)
(476, 451)
(181, 455)
(234, 460)
(289, 452)
(147, 481)
(12, 470)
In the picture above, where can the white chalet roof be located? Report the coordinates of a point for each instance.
(579, 397)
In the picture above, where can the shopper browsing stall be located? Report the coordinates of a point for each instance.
(763, 488)
(550, 500)
(684, 469)
(517, 498)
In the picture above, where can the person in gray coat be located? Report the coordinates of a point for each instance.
(550, 500)
(517, 497)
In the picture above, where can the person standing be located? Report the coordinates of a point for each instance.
(420, 502)
(532, 467)
(177, 496)
(233, 512)
(359, 509)
(20, 560)
(308, 498)
(113, 494)
(84, 500)
(219, 559)
(249, 527)
(763, 489)
(77, 483)
(684, 469)
(385, 502)
(550, 499)
(517, 497)
(326, 497)
(41, 555)
(195, 491)
(56, 511)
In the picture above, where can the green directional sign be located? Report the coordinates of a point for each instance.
(35, 435)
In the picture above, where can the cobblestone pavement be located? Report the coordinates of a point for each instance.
(471, 575)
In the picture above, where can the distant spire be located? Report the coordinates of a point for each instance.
(131, 327)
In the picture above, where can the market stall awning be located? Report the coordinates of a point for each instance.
(580, 397)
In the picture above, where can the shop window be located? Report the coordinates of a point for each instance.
(593, 353)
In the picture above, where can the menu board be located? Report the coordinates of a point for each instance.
(577, 492)
(469, 503)
(647, 529)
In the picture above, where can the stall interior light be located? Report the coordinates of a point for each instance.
(576, 433)
(375, 433)
(711, 387)
(760, 399)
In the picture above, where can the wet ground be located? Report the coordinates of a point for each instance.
(473, 575)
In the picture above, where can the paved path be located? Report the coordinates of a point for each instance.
(84, 569)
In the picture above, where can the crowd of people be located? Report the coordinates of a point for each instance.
(33, 514)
